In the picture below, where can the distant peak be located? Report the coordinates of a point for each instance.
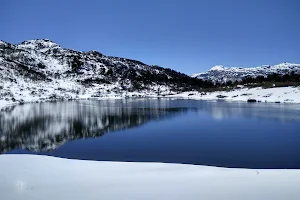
(94, 52)
(217, 68)
(39, 43)
(1, 41)
(286, 63)
(5, 44)
(222, 74)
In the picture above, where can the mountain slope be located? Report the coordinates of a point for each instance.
(223, 74)
(41, 69)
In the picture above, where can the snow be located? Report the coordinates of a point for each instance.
(286, 65)
(277, 94)
(4, 103)
(37, 44)
(217, 68)
(2, 42)
(32, 177)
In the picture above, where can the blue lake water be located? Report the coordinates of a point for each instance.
(216, 133)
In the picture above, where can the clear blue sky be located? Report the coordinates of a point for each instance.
(186, 35)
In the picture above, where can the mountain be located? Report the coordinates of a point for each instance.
(42, 69)
(223, 74)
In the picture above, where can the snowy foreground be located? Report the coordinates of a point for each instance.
(31, 177)
(276, 94)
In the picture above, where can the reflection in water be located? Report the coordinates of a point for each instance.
(221, 110)
(46, 126)
(218, 133)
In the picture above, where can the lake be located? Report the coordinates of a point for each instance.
(215, 133)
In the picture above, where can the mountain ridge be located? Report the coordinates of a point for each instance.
(223, 74)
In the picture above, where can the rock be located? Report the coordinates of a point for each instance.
(221, 96)
(251, 100)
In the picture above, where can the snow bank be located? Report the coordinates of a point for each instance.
(4, 103)
(32, 177)
(278, 95)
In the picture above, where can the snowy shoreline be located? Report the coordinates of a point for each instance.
(270, 95)
(30, 177)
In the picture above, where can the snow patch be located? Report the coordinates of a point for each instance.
(217, 68)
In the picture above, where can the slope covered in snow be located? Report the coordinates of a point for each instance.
(222, 74)
(31, 177)
(36, 70)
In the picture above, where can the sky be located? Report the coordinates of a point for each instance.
(189, 36)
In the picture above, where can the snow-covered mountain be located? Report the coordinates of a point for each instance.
(222, 74)
(41, 69)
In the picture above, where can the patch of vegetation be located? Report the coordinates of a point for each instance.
(273, 80)
(95, 80)
(31, 73)
(76, 63)
(246, 94)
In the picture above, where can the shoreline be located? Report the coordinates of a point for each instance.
(286, 95)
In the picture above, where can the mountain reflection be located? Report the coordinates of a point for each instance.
(221, 110)
(46, 126)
